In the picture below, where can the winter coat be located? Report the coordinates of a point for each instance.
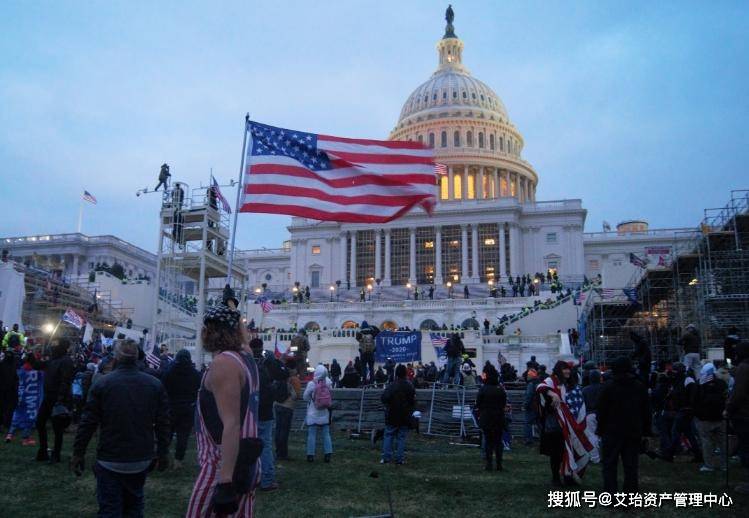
(490, 404)
(690, 342)
(591, 394)
(710, 400)
(623, 408)
(399, 399)
(58, 378)
(182, 383)
(131, 410)
(319, 416)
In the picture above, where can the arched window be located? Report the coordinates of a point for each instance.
(431, 140)
(456, 139)
(501, 143)
(443, 139)
(481, 139)
(312, 326)
(444, 187)
(457, 186)
(455, 94)
(429, 325)
(470, 323)
(465, 95)
(491, 142)
(421, 139)
(471, 185)
(469, 138)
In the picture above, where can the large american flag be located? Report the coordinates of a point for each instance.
(153, 358)
(87, 196)
(266, 305)
(335, 179)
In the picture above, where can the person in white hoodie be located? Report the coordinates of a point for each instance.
(318, 413)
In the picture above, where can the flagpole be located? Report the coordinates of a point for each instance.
(236, 205)
(80, 216)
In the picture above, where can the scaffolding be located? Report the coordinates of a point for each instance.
(192, 265)
(705, 283)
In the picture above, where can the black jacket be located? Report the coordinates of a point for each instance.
(591, 394)
(399, 399)
(454, 347)
(623, 408)
(131, 409)
(690, 341)
(58, 378)
(269, 370)
(710, 400)
(182, 383)
(490, 403)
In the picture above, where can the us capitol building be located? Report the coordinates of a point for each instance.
(487, 225)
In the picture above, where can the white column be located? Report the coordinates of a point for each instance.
(480, 183)
(75, 265)
(412, 256)
(495, 179)
(386, 277)
(465, 183)
(342, 243)
(515, 266)
(463, 253)
(502, 256)
(438, 255)
(475, 253)
(293, 261)
(352, 274)
(378, 254)
(450, 186)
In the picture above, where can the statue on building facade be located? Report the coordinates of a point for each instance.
(449, 17)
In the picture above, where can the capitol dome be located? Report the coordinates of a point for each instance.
(468, 126)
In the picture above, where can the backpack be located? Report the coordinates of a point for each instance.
(322, 396)
(281, 390)
(14, 340)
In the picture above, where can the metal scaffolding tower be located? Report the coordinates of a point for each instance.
(706, 284)
(192, 265)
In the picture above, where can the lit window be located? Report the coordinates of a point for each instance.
(316, 250)
(471, 186)
(551, 237)
(444, 187)
(457, 186)
(428, 244)
(553, 265)
(454, 243)
(489, 242)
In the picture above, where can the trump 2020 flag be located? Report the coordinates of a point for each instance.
(335, 179)
(73, 318)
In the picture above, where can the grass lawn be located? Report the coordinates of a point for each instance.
(438, 480)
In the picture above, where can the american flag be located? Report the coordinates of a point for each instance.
(631, 294)
(220, 195)
(440, 169)
(153, 359)
(608, 293)
(438, 340)
(73, 318)
(577, 447)
(266, 305)
(335, 179)
(580, 298)
(87, 196)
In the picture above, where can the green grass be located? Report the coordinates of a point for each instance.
(438, 480)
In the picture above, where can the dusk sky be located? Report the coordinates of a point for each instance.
(638, 108)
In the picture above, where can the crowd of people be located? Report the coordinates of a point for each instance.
(578, 414)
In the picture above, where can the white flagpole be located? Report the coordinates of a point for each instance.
(80, 216)
(236, 205)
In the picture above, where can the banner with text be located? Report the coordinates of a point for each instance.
(400, 346)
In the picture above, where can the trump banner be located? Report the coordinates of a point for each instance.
(401, 346)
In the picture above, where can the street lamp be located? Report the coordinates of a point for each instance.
(258, 291)
(369, 290)
(332, 289)
(449, 289)
(48, 328)
(296, 291)
(408, 287)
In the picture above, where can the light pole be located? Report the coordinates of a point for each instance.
(449, 289)
(408, 292)
(369, 291)
(296, 291)
(338, 290)
(490, 282)
(332, 289)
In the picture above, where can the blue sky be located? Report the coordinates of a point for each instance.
(638, 108)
